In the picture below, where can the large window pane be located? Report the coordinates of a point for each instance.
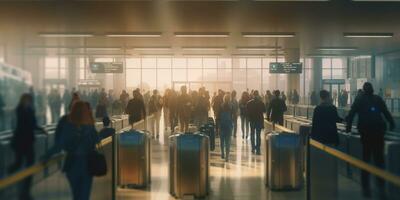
(149, 80)
(51, 73)
(163, 79)
(326, 73)
(225, 74)
(254, 79)
(179, 75)
(239, 80)
(194, 75)
(179, 63)
(164, 62)
(210, 75)
(149, 62)
(132, 63)
(210, 62)
(194, 62)
(225, 63)
(253, 62)
(133, 78)
(326, 63)
(51, 62)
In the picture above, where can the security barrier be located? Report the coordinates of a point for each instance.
(103, 188)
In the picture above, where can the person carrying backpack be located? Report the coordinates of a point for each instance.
(371, 127)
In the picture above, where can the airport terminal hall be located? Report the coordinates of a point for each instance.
(199, 99)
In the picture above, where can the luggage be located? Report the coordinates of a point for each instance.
(188, 165)
(283, 161)
(209, 130)
(134, 161)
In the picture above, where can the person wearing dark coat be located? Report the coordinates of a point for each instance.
(324, 121)
(136, 108)
(371, 126)
(23, 141)
(76, 135)
(255, 112)
(276, 109)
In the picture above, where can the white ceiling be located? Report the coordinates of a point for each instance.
(316, 24)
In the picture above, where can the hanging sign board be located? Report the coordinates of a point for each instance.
(107, 67)
(285, 68)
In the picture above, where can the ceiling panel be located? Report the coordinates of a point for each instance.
(318, 24)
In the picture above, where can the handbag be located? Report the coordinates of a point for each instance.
(97, 164)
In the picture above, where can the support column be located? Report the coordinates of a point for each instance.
(72, 72)
(316, 74)
(293, 80)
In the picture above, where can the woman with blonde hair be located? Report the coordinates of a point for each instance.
(226, 116)
(77, 136)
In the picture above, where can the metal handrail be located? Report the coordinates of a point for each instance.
(388, 176)
(32, 170)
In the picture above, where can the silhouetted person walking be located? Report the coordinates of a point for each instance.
(136, 109)
(371, 127)
(276, 109)
(23, 141)
(255, 112)
(184, 107)
(324, 121)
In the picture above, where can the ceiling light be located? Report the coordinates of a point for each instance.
(257, 48)
(267, 35)
(204, 48)
(66, 35)
(101, 48)
(201, 55)
(199, 35)
(139, 35)
(368, 35)
(324, 55)
(151, 48)
(337, 48)
(248, 55)
(157, 55)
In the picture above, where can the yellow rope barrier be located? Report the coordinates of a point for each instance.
(14, 178)
(390, 177)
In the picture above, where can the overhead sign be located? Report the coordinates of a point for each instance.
(107, 67)
(285, 68)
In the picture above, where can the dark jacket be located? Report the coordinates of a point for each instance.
(276, 109)
(324, 121)
(369, 109)
(255, 111)
(136, 110)
(24, 134)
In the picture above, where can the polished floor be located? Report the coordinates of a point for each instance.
(241, 178)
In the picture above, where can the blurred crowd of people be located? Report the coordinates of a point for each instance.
(76, 135)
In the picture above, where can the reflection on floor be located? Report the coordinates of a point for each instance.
(240, 178)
